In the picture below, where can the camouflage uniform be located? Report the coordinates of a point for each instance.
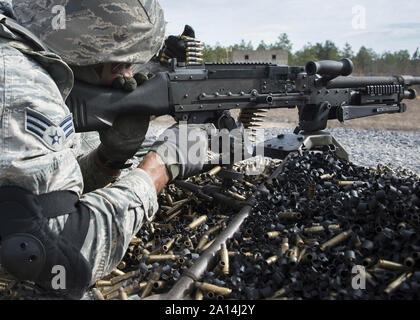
(34, 86)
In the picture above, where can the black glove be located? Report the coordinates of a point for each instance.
(122, 141)
(183, 149)
(130, 83)
(185, 48)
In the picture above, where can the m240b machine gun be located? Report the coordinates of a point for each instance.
(206, 93)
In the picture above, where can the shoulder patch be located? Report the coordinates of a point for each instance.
(53, 135)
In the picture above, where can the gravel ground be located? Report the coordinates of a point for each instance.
(370, 148)
(366, 147)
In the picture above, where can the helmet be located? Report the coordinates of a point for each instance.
(89, 32)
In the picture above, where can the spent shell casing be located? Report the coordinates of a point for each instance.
(315, 229)
(327, 176)
(103, 283)
(149, 286)
(123, 294)
(273, 234)
(97, 294)
(117, 272)
(284, 245)
(336, 240)
(208, 287)
(174, 215)
(162, 257)
(214, 171)
(397, 282)
(122, 265)
(167, 246)
(176, 206)
(197, 222)
(391, 265)
(301, 254)
(214, 229)
(135, 241)
(272, 260)
(224, 258)
(346, 183)
(126, 276)
(409, 262)
(290, 215)
(208, 244)
(199, 295)
(169, 199)
(202, 241)
(236, 196)
(108, 290)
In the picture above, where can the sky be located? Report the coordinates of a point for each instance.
(382, 25)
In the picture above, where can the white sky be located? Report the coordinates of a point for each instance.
(390, 25)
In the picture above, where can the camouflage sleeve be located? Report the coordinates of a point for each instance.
(118, 213)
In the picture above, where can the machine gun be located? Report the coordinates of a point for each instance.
(206, 93)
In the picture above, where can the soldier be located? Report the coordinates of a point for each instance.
(45, 218)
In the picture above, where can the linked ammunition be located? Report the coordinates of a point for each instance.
(207, 287)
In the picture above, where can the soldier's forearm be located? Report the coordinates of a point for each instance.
(156, 169)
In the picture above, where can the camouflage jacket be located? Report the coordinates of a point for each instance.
(38, 148)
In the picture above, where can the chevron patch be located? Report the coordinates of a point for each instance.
(53, 135)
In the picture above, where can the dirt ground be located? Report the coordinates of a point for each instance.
(288, 118)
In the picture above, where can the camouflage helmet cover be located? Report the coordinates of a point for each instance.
(89, 32)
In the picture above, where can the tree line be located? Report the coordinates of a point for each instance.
(366, 60)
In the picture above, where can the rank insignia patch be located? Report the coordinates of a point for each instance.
(53, 135)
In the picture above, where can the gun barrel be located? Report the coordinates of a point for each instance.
(357, 82)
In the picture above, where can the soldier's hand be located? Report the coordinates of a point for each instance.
(183, 149)
(130, 83)
(122, 141)
(185, 48)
